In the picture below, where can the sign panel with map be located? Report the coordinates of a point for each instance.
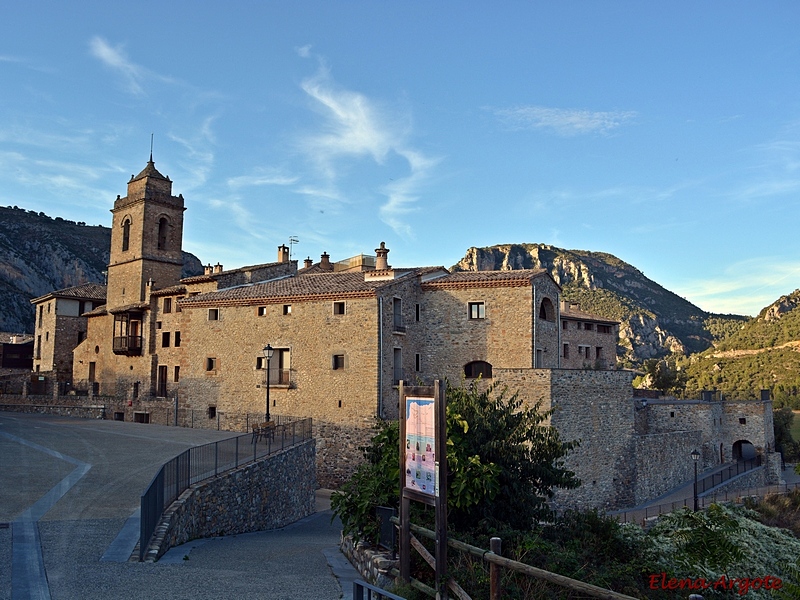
(420, 446)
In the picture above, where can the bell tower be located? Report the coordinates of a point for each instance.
(146, 239)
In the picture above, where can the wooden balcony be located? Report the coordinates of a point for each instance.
(129, 345)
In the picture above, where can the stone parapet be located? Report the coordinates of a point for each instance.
(371, 562)
(267, 494)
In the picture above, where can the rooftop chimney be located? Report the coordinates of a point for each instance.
(325, 262)
(217, 268)
(283, 253)
(208, 269)
(381, 260)
(307, 263)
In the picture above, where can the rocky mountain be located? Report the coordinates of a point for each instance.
(39, 254)
(654, 321)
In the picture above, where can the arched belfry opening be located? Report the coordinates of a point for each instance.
(163, 232)
(126, 234)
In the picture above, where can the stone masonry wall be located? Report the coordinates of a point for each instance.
(595, 408)
(663, 462)
(267, 494)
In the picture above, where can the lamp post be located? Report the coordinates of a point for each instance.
(695, 458)
(268, 351)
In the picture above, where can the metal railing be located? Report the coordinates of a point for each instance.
(365, 591)
(641, 515)
(206, 461)
(715, 479)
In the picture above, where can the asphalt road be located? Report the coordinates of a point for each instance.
(73, 484)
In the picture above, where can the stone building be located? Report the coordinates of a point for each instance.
(343, 334)
(587, 341)
(60, 326)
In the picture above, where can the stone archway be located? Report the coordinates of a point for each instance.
(743, 450)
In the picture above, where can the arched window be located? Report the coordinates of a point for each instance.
(478, 368)
(163, 224)
(547, 311)
(126, 234)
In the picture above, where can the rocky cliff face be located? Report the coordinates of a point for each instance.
(39, 254)
(654, 321)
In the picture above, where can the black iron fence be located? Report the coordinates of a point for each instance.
(209, 460)
(641, 515)
(711, 481)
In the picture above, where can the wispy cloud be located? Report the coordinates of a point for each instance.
(200, 156)
(744, 287)
(115, 58)
(355, 127)
(261, 178)
(563, 121)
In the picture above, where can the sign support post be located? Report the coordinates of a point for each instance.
(423, 471)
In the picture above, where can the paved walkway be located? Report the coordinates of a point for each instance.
(68, 487)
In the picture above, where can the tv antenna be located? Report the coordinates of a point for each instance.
(292, 241)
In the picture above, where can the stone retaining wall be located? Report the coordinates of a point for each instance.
(268, 494)
(371, 562)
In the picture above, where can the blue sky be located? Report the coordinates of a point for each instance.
(667, 134)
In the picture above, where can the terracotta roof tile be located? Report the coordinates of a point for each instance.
(465, 279)
(584, 316)
(303, 285)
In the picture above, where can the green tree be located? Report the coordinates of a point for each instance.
(503, 463)
(784, 442)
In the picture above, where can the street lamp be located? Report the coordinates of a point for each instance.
(268, 351)
(695, 458)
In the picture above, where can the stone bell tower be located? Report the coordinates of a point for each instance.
(146, 239)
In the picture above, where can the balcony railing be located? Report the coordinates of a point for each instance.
(398, 326)
(278, 377)
(128, 344)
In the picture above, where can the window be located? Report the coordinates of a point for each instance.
(165, 339)
(478, 368)
(212, 412)
(158, 324)
(338, 308)
(161, 384)
(564, 325)
(416, 313)
(287, 309)
(477, 310)
(578, 325)
(598, 352)
(398, 366)
(397, 314)
(41, 311)
(742, 421)
(338, 362)
(566, 350)
(135, 389)
(211, 364)
(603, 329)
(262, 311)
(588, 326)
(167, 305)
(279, 366)
(177, 376)
(38, 346)
(46, 336)
(126, 234)
(177, 339)
(417, 363)
(213, 314)
(163, 225)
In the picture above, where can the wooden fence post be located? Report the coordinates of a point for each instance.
(495, 545)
